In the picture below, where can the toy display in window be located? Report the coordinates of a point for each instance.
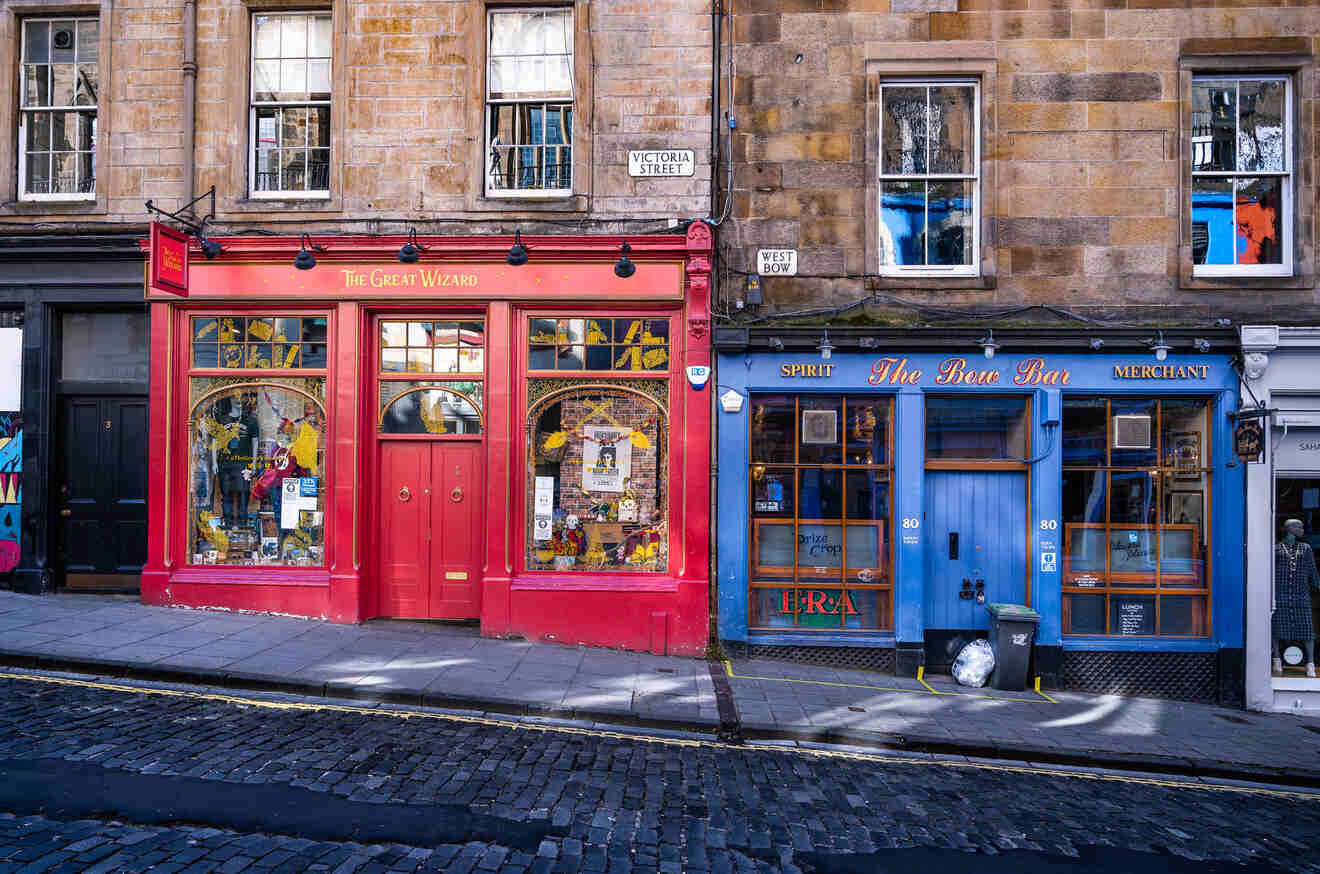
(235, 448)
(1295, 577)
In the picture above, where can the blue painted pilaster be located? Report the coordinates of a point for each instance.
(1047, 523)
(909, 493)
(1228, 572)
(732, 516)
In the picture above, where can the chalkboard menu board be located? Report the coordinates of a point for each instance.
(1132, 614)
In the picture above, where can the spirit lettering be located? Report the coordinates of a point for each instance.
(811, 371)
(893, 371)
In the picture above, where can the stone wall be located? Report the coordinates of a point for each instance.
(1085, 107)
(407, 114)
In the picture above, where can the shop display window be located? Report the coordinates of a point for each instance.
(256, 488)
(820, 480)
(597, 490)
(259, 342)
(1136, 506)
(628, 344)
(1296, 497)
(976, 428)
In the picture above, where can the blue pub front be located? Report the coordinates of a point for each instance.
(873, 501)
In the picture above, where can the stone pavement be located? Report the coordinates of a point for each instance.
(448, 666)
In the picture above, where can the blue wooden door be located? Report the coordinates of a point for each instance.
(986, 512)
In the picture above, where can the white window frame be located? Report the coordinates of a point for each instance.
(24, 111)
(1286, 177)
(571, 102)
(932, 270)
(253, 106)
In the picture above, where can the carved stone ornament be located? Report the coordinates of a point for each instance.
(1254, 364)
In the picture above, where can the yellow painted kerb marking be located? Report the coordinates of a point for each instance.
(817, 753)
(927, 688)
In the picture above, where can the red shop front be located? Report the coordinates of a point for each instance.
(455, 439)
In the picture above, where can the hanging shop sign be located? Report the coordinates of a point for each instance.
(1248, 441)
(649, 163)
(776, 262)
(169, 260)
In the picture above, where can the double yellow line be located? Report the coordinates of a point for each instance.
(850, 755)
(927, 688)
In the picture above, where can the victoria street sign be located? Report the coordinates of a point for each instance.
(662, 162)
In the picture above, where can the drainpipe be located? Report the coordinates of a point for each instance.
(189, 99)
(715, 14)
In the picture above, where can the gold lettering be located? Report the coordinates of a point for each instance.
(783, 370)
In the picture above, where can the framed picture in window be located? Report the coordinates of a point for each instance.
(1186, 508)
(1186, 455)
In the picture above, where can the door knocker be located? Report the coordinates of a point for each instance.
(456, 495)
(404, 494)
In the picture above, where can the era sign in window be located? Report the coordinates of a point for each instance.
(529, 102)
(1241, 156)
(60, 87)
(929, 178)
(289, 117)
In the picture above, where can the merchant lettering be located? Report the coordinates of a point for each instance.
(1161, 371)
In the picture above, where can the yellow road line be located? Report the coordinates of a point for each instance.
(638, 737)
(927, 688)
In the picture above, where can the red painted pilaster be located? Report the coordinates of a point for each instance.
(502, 469)
(344, 478)
(156, 571)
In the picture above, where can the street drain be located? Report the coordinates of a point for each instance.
(857, 709)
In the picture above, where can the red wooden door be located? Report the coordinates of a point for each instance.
(405, 520)
(457, 523)
(431, 525)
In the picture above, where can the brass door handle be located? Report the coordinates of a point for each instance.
(404, 494)
(66, 512)
(456, 495)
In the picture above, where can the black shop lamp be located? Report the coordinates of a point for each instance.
(623, 268)
(305, 260)
(517, 256)
(410, 251)
(210, 248)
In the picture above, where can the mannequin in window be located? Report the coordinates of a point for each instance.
(1295, 577)
(235, 451)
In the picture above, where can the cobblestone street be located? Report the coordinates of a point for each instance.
(101, 779)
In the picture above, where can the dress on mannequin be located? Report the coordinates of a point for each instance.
(1295, 576)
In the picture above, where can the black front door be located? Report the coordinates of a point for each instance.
(101, 491)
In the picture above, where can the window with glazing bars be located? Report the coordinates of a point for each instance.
(929, 177)
(57, 121)
(529, 102)
(289, 121)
